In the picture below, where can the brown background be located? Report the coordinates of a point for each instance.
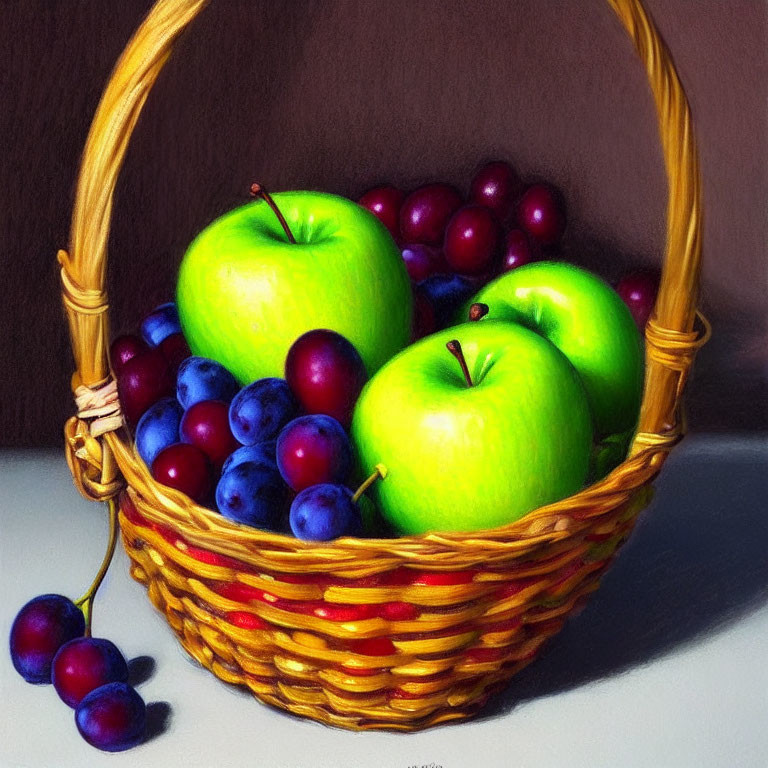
(342, 94)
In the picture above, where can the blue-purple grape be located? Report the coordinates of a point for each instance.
(112, 717)
(40, 628)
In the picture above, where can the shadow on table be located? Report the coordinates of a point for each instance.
(696, 561)
(158, 719)
(140, 670)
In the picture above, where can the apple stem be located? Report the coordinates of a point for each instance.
(258, 191)
(455, 349)
(478, 311)
(379, 472)
(85, 603)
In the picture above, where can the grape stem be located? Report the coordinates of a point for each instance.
(85, 603)
(379, 472)
(258, 191)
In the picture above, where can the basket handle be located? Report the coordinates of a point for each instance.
(671, 341)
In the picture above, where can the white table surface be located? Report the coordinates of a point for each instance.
(667, 666)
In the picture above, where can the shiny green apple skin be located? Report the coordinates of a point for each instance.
(245, 293)
(462, 458)
(588, 322)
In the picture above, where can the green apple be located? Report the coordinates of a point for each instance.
(588, 322)
(245, 293)
(462, 457)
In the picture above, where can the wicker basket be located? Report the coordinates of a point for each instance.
(361, 633)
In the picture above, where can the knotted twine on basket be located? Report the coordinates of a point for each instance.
(90, 460)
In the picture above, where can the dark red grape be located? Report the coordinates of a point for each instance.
(424, 318)
(112, 718)
(519, 250)
(639, 290)
(384, 202)
(313, 449)
(426, 211)
(186, 468)
(471, 238)
(541, 213)
(206, 425)
(175, 350)
(326, 373)
(421, 261)
(124, 348)
(86, 663)
(496, 186)
(143, 381)
(40, 628)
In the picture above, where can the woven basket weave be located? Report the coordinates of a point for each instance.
(367, 633)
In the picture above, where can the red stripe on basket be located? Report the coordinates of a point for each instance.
(399, 693)
(128, 508)
(486, 654)
(399, 611)
(246, 620)
(503, 626)
(336, 612)
(514, 587)
(375, 646)
(446, 579)
(567, 571)
(360, 672)
(211, 558)
(242, 593)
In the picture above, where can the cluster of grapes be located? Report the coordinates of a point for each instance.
(453, 246)
(277, 445)
(51, 643)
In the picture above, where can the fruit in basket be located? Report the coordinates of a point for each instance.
(324, 512)
(421, 261)
(245, 292)
(519, 250)
(463, 457)
(158, 428)
(384, 203)
(445, 294)
(206, 425)
(175, 350)
(186, 468)
(259, 452)
(541, 213)
(160, 323)
(638, 290)
(496, 186)
(112, 717)
(325, 373)
(424, 317)
(259, 411)
(425, 212)
(123, 348)
(86, 663)
(251, 492)
(143, 381)
(313, 450)
(471, 239)
(587, 321)
(40, 628)
(202, 379)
